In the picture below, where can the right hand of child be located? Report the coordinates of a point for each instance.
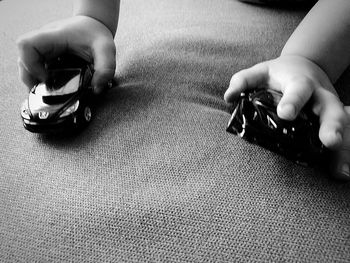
(80, 35)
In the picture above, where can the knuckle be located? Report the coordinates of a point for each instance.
(103, 74)
(295, 98)
(303, 81)
(111, 47)
(22, 42)
(238, 79)
(344, 118)
(19, 62)
(27, 39)
(105, 43)
(233, 79)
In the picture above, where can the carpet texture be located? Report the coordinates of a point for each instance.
(155, 177)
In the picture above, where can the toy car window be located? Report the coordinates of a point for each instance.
(60, 82)
(267, 99)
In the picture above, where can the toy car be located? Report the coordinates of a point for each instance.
(63, 101)
(255, 119)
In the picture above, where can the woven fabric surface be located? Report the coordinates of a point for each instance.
(155, 177)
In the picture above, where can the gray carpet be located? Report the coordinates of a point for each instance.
(155, 177)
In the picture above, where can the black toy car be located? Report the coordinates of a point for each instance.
(255, 119)
(63, 101)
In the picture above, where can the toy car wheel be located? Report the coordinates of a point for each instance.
(87, 114)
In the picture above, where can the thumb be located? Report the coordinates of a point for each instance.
(250, 78)
(333, 118)
(104, 52)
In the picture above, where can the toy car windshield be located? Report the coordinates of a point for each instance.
(60, 82)
(255, 119)
(60, 85)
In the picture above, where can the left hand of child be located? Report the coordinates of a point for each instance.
(300, 80)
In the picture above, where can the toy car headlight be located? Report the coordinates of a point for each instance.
(25, 111)
(70, 109)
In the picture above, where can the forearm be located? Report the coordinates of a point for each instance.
(324, 37)
(105, 11)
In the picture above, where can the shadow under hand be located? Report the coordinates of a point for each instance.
(126, 100)
(283, 4)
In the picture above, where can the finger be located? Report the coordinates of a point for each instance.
(246, 79)
(104, 52)
(295, 95)
(25, 76)
(31, 60)
(333, 118)
(36, 48)
(340, 165)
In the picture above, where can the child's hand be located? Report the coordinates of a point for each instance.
(81, 35)
(298, 79)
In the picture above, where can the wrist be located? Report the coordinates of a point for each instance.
(307, 62)
(310, 69)
(104, 11)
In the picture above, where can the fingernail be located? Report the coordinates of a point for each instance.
(287, 111)
(227, 96)
(339, 137)
(343, 172)
(345, 169)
